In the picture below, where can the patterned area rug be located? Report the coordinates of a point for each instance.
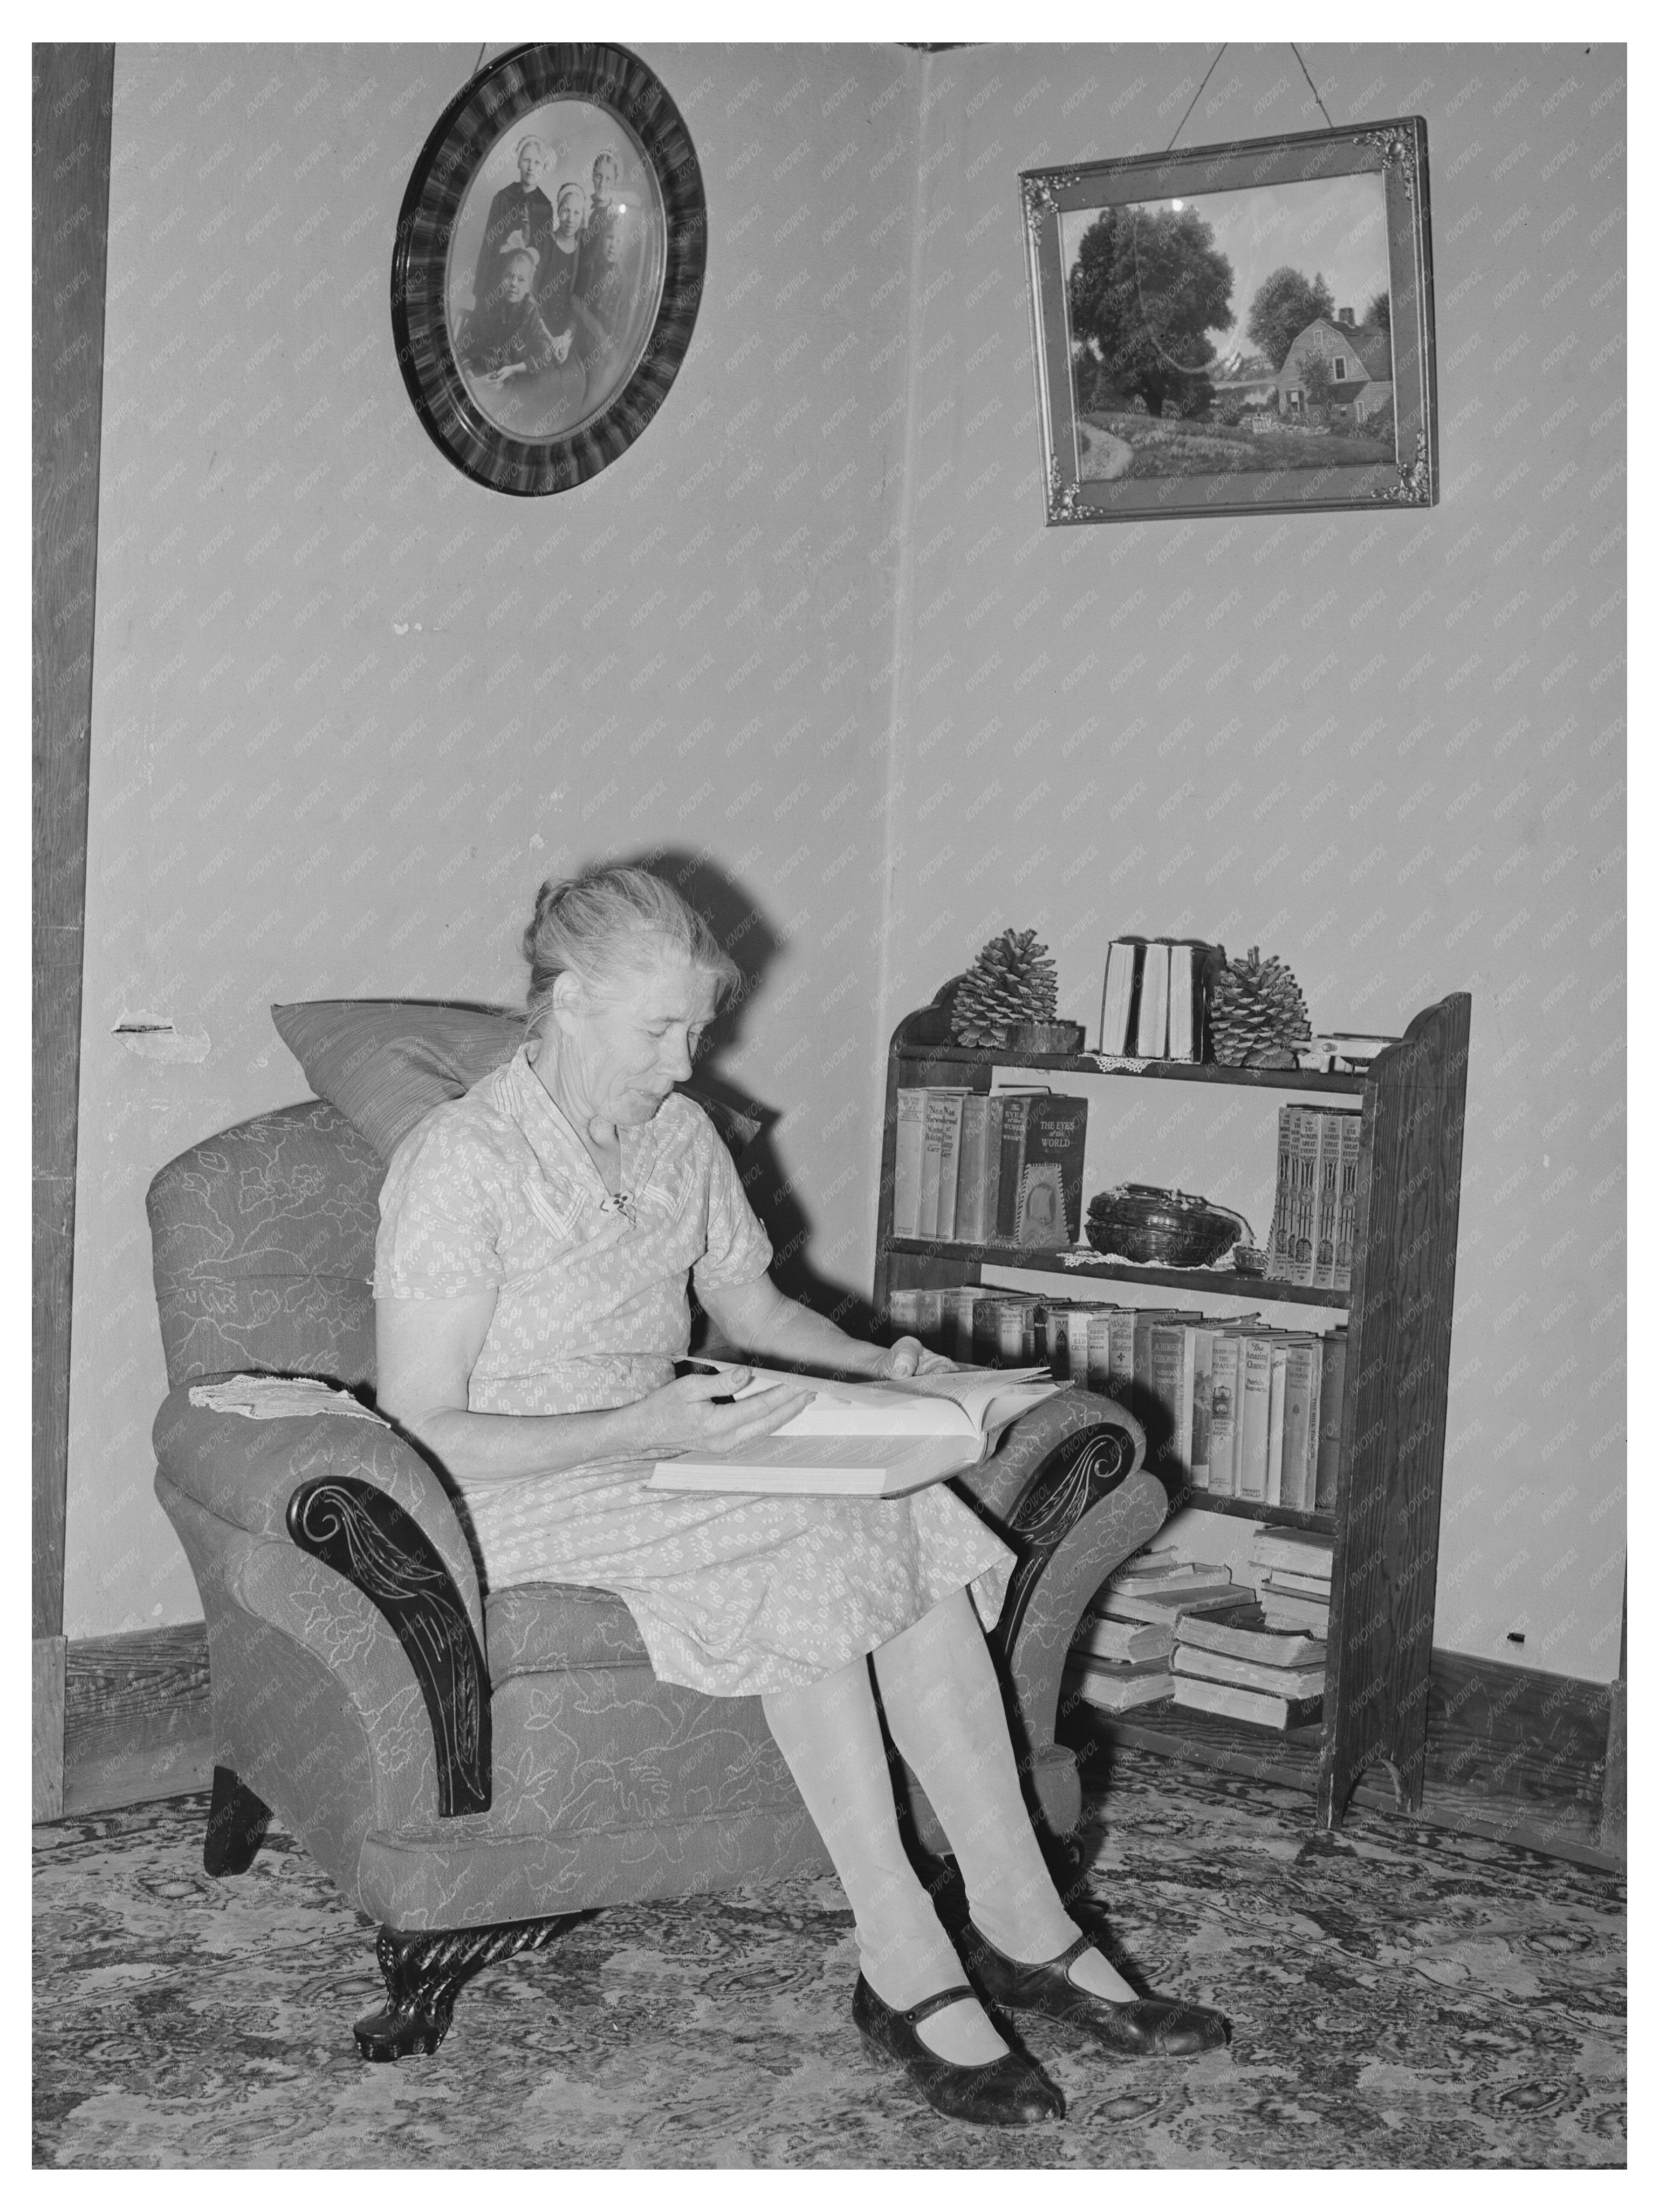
(1399, 1997)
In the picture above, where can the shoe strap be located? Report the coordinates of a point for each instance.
(1062, 1963)
(1069, 1957)
(929, 2005)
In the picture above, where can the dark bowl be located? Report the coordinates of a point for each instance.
(1160, 1228)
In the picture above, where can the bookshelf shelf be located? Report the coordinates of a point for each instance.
(1253, 1509)
(1149, 1070)
(1211, 1282)
(1384, 1518)
(1289, 1757)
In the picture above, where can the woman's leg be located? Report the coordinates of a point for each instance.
(943, 1705)
(830, 1734)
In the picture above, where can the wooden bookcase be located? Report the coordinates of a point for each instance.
(1385, 1518)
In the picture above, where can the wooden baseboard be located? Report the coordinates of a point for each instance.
(1515, 1755)
(137, 1722)
(1518, 1754)
(46, 1705)
(1611, 1837)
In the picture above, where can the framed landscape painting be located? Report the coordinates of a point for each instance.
(1244, 327)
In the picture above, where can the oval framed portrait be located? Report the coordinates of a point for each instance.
(549, 266)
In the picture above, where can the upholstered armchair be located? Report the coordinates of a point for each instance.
(471, 1770)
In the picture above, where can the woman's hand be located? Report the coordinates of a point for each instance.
(683, 1415)
(910, 1355)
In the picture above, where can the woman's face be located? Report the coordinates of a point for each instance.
(623, 1047)
(572, 210)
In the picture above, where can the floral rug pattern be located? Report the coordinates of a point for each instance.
(1400, 1997)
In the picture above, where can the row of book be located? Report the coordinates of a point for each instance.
(1316, 1194)
(1230, 1405)
(1186, 1632)
(1155, 997)
(981, 1326)
(980, 1168)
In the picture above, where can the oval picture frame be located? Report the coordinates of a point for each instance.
(549, 266)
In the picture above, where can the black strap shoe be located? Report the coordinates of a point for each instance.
(1134, 2027)
(1007, 2091)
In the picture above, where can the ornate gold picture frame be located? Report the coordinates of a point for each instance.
(1239, 328)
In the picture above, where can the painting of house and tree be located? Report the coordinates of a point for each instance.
(1232, 331)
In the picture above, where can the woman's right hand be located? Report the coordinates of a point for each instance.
(683, 1415)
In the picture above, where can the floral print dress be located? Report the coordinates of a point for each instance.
(734, 1595)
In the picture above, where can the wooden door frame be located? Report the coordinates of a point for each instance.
(72, 90)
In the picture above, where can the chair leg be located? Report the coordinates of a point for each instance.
(236, 1824)
(425, 1973)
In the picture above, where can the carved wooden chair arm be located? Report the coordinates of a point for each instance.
(353, 1496)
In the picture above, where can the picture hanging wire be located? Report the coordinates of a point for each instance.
(1197, 96)
(1186, 367)
(1211, 71)
(1312, 87)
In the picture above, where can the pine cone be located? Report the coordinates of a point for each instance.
(1012, 981)
(1258, 1015)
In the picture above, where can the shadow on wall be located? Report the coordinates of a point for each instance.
(743, 928)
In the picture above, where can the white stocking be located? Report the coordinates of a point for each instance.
(830, 1734)
(943, 1705)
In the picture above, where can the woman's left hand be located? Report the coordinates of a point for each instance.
(910, 1355)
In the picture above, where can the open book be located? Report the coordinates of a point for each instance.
(867, 1439)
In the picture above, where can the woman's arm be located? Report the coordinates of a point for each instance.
(425, 1351)
(757, 1316)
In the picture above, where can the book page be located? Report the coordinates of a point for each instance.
(965, 1401)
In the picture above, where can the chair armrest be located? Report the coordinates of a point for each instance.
(998, 1485)
(366, 1537)
(366, 1511)
(245, 1473)
(1056, 1468)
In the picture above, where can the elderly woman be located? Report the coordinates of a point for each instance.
(530, 1288)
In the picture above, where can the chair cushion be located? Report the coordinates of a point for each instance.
(540, 1628)
(386, 1063)
(588, 1743)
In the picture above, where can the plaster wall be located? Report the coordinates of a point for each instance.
(349, 707)
(1389, 747)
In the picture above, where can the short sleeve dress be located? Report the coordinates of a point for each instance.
(735, 1596)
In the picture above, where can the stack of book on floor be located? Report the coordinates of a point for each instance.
(1002, 1167)
(1118, 1664)
(1239, 1665)
(1120, 1655)
(1292, 1571)
(1315, 1197)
